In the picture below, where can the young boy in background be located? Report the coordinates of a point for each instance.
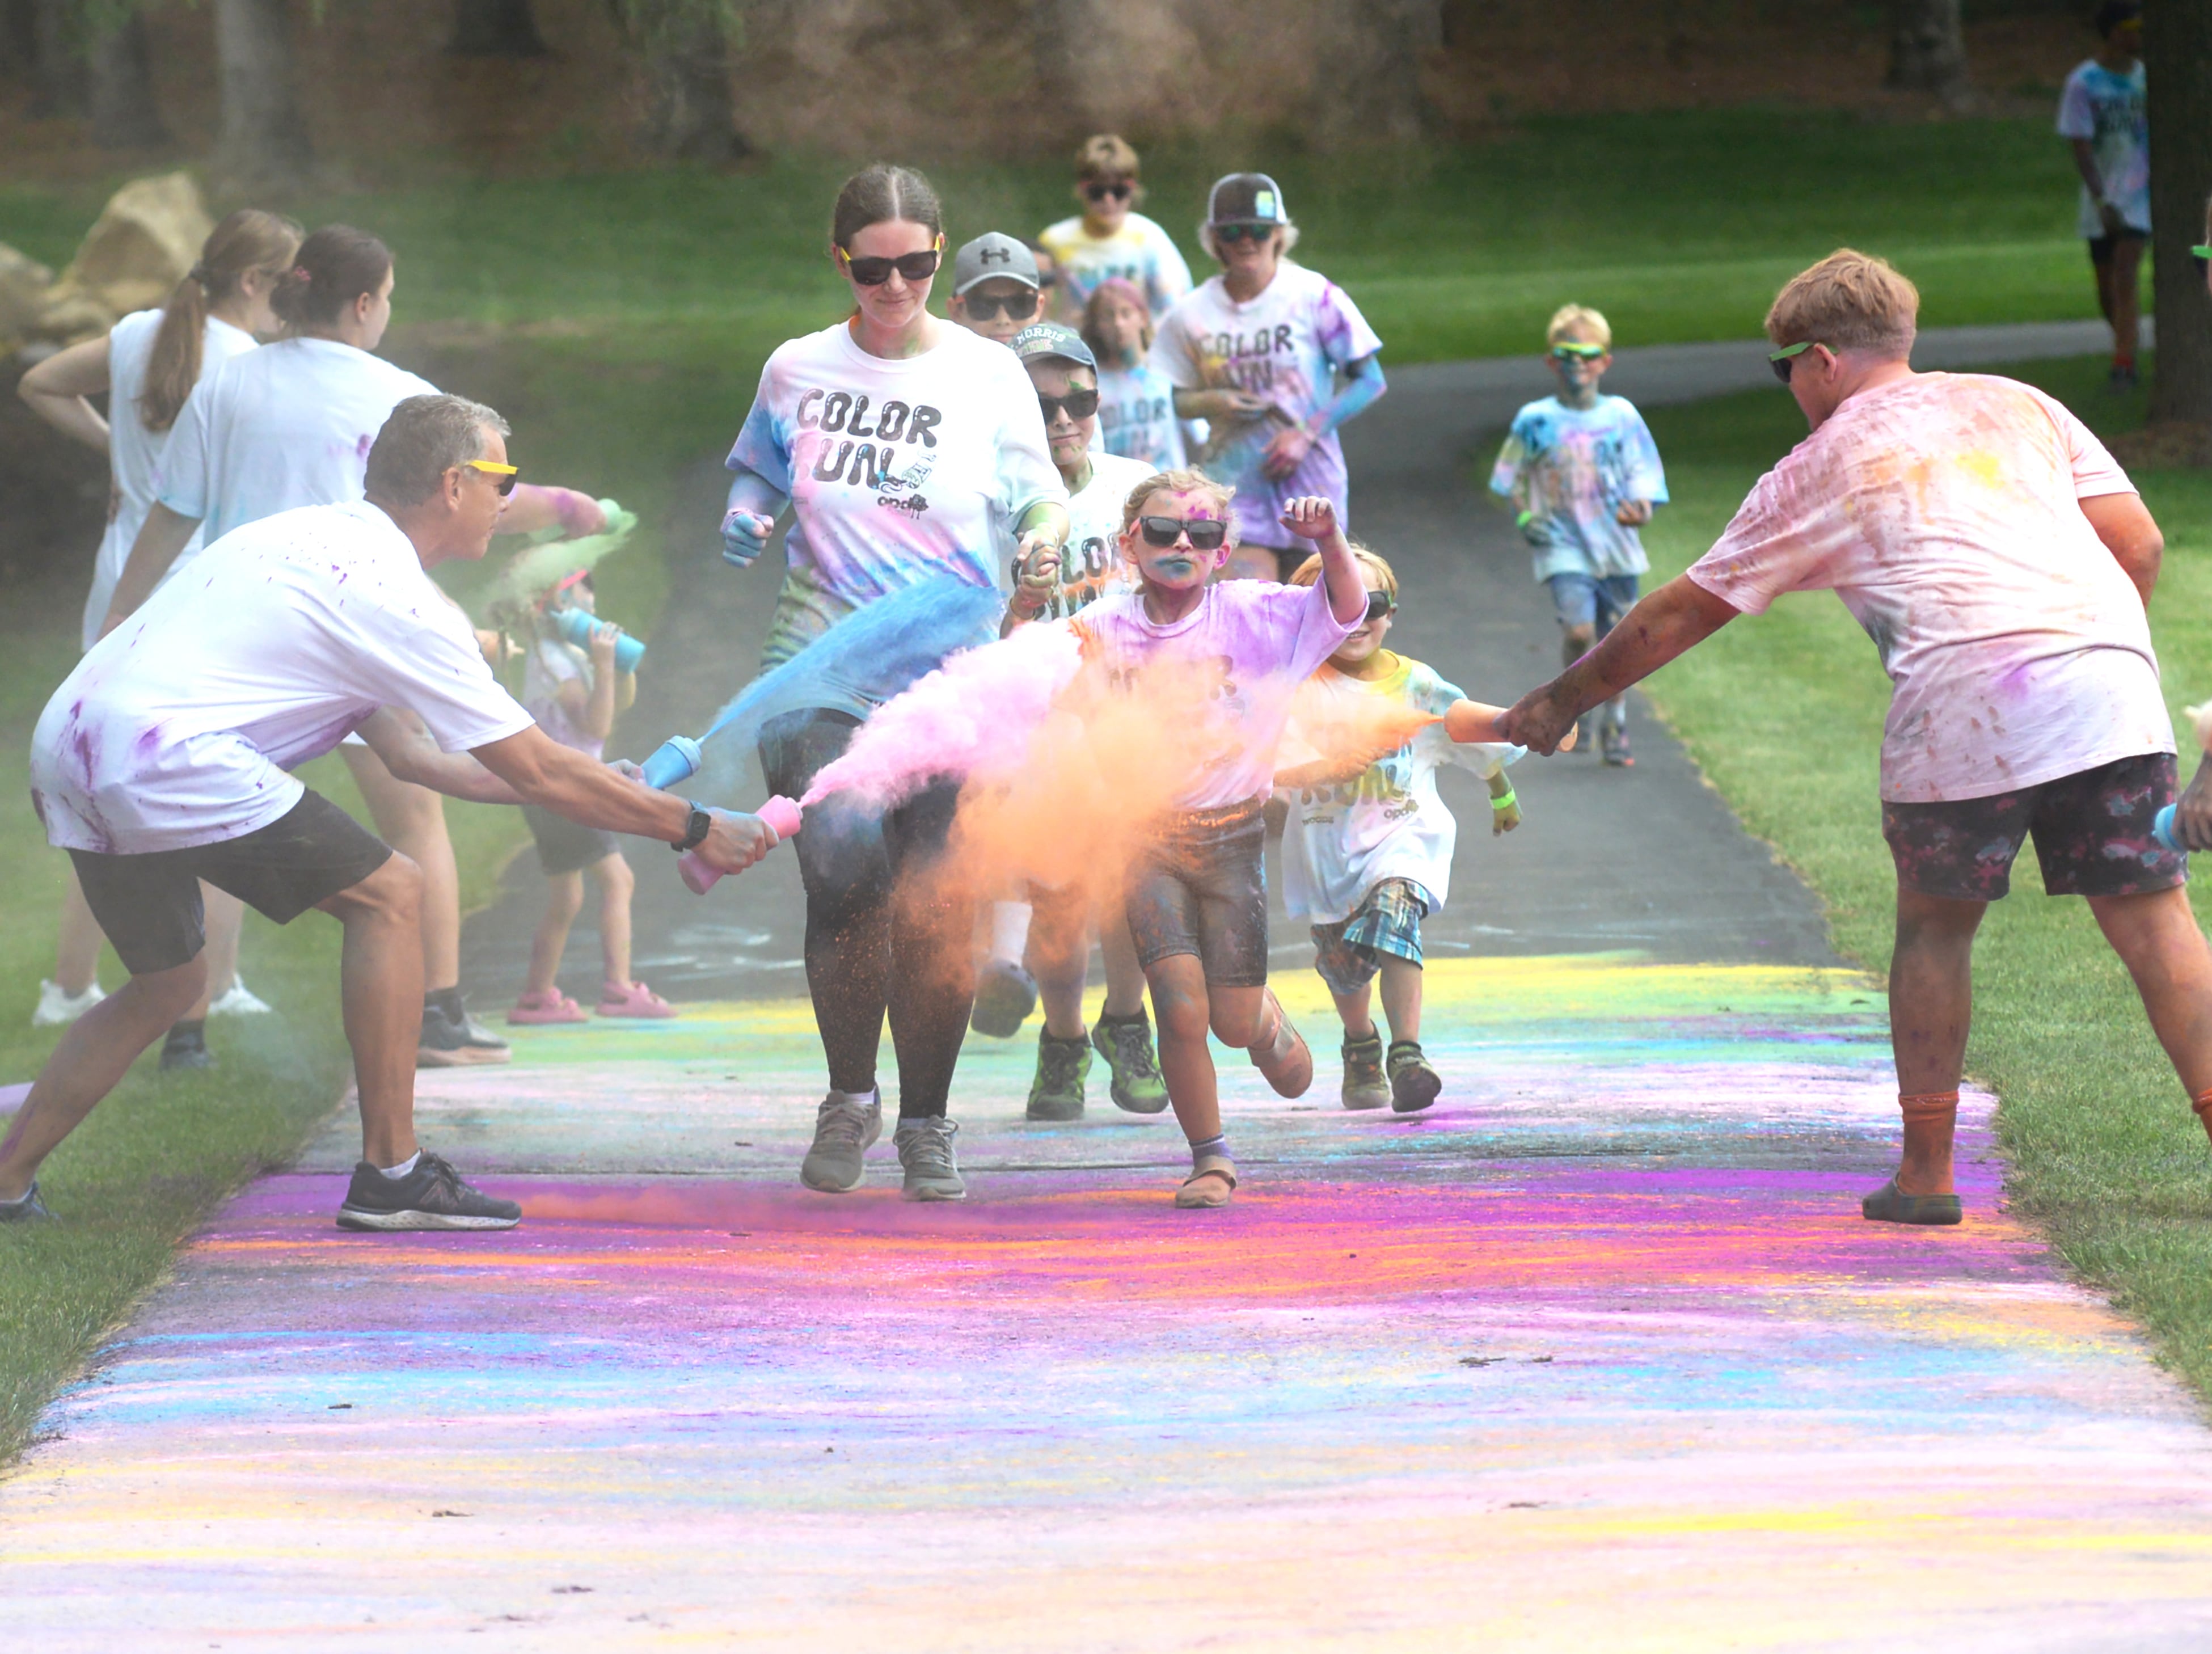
(2102, 112)
(575, 693)
(995, 286)
(1367, 854)
(1136, 400)
(1584, 473)
(1110, 240)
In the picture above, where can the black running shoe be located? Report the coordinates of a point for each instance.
(432, 1196)
(446, 1043)
(1005, 995)
(185, 1048)
(29, 1209)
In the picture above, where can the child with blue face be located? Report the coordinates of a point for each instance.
(1584, 473)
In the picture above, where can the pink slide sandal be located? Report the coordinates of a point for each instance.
(632, 999)
(550, 1007)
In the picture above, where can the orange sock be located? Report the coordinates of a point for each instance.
(1934, 1105)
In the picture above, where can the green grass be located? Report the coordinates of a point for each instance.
(1785, 713)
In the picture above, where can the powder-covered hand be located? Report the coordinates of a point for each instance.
(745, 537)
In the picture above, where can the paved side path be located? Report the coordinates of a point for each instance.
(1596, 1354)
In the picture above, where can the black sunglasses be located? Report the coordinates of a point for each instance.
(1207, 533)
(1019, 306)
(1120, 192)
(1379, 604)
(1080, 404)
(1243, 232)
(874, 273)
(1785, 359)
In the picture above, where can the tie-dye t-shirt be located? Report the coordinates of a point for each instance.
(1093, 564)
(2108, 110)
(1286, 345)
(896, 469)
(1137, 417)
(1575, 468)
(288, 425)
(1943, 510)
(1245, 649)
(1140, 252)
(1345, 836)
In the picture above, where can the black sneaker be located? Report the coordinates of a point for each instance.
(1062, 1066)
(432, 1196)
(1005, 995)
(29, 1209)
(185, 1048)
(1413, 1084)
(446, 1043)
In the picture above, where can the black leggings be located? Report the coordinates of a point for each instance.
(889, 923)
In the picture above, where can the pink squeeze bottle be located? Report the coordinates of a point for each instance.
(780, 813)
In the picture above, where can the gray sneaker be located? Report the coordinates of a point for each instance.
(29, 1209)
(843, 1131)
(925, 1150)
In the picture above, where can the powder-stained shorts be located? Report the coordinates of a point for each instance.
(149, 905)
(1200, 887)
(1598, 600)
(2091, 831)
(1349, 952)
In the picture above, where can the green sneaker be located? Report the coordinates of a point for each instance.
(1126, 1042)
(1365, 1086)
(1062, 1066)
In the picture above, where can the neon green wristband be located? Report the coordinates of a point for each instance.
(1525, 519)
(1505, 800)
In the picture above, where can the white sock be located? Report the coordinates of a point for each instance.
(1010, 930)
(405, 1166)
(865, 1099)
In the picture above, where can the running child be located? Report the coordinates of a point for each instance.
(1585, 474)
(575, 693)
(1109, 239)
(1368, 854)
(1136, 401)
(1055, 950)
(1197, 895)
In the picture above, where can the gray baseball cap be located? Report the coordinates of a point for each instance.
(1049, 340)
(1246, 198)
(990, 256)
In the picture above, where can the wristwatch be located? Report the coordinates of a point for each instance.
(697, 826)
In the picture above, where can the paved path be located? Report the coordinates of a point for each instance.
(1597, 1355)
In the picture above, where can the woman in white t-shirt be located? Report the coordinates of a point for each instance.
(146, 365)
(291, 425)
(909, 449)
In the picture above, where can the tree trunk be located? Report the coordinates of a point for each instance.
(123, 115)
(59, 89)
(2178, 51)
(1369, 88)
(1927, 50)
(496, 28)
(689, 113)
(263, 135)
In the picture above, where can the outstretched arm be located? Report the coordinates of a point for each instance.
(749, 518)
(401, 738)
(1313, 517)
(1678, 616)
(1363, 385)
(531, 507)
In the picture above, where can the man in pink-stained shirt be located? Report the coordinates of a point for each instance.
(2002, 563)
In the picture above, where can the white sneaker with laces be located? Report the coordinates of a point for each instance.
(239, 1000)
(56, 1007)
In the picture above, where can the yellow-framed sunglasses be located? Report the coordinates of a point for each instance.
(503, 477)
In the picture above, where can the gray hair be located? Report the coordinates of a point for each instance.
(426, 437)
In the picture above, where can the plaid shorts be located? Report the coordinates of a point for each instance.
(1349, 952)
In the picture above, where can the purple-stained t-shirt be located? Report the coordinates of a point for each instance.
(1247, 646)
(1944, 510)
(1286, 345)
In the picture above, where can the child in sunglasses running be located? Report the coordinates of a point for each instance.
(1222, 660)
(1110, 240)
(1584, 473)
(996, 287)
(1368, 853)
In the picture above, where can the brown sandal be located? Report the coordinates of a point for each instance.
(1211, 1182)
(1281, 1054)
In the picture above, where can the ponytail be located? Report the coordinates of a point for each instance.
(333, 267)
(246, 240)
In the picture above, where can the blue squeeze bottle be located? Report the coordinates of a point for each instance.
(2161, 829)
(577, 627)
